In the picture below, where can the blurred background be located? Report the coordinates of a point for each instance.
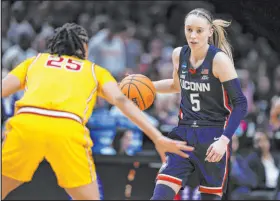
(139, 37)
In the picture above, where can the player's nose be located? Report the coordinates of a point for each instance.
(193, 35)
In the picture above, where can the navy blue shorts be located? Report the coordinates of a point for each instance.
(212, 176)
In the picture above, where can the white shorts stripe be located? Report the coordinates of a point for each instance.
(216, 188)
(49, 113)
(166, 175)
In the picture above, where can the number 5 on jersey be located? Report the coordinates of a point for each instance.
(60, 62)
(195, 102)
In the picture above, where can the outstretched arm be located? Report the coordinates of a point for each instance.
(113, 94)
(170, 85)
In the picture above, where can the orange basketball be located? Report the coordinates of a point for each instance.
(139, 89)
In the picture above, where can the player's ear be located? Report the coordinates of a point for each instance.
(211, 31)
(86, 50)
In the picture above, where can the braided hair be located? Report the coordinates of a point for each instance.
(68, 40)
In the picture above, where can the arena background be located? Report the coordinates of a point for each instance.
(144, 34)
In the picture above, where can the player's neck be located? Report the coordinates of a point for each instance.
(199, 54)
(266, 155)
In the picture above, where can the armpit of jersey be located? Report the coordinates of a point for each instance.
(103, 76)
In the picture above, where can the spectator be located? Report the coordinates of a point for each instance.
(242, 178)
(84, 20)
(133, 47)
(263, 162)
(109, 50)
(19, 23)
(263, 91)
(248, 88)
(166, 110)
(125, 143)
(19, 52)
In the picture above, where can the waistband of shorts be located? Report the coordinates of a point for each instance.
(201, 123)
(49, 113)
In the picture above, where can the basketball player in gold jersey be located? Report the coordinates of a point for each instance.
(61, 88)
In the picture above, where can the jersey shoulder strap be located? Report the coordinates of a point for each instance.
(210, 57)
(182, 58)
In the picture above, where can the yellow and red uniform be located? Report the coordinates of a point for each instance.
(49, 121)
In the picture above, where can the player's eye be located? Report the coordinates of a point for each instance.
(199, 31)
(189, 30)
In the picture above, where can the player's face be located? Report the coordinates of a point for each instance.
(262, 142)
(197, 31)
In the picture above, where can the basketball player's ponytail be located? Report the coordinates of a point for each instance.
(219, 39)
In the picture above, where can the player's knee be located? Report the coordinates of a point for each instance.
(85, 192)
(8, 185)
(163, 192)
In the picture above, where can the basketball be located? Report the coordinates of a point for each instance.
(139, 89)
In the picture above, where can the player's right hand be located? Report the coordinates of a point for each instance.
(164, 144)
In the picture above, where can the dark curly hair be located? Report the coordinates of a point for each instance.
(68, 40)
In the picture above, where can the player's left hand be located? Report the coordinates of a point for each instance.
(164, 144)
(217, 149)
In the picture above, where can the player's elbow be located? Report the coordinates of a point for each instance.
(10, 85)
(4, 94)
(244, 105)
(6, 91)
(119, 100)
(175, 89)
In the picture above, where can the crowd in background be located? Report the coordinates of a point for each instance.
(139, 37)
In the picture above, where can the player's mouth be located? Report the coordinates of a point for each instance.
(194, 43)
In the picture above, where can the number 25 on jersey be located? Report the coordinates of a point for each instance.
(66, 63)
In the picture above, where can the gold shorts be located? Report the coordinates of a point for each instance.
(64, 143)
